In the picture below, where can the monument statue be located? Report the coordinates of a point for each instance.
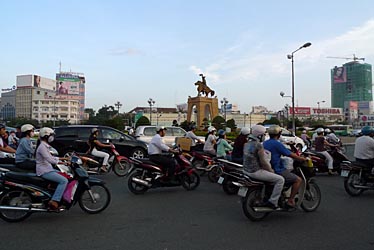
(202, 87)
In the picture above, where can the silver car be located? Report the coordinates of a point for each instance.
(145, 133)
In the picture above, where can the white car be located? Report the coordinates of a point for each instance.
(145, 133)
(287, 137)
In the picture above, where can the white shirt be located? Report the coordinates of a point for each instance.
(364, 148)
(157, 145)
(193, 137)
(208, 146)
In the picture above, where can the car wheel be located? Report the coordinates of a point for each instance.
(138, 153)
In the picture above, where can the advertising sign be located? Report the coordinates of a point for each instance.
(339, 75)
(327, 111)
(301, 111)
(68, 84)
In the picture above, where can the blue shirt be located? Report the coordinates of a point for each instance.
(277, 149)
(24, 150)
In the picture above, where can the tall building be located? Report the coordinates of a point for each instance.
(351, 82)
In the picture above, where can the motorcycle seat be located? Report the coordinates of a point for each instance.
(30, 178)
(317, 154)
(361, 164)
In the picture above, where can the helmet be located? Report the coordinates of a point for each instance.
(27, 127)
(211, 129)
(319, 130)
(221, 132)
(94, 130)
(274, 130)
(304, 131)
(2, 126)
(258, 130)
(367, 130)
(245, 131)
(327, 130)
(159, 128)
(45, 132)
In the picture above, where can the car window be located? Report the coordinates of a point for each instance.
(84, 132)
(66, 132)
(178, 132)
(110, 134)
(286, 133)
(149, 131)
(169, 132)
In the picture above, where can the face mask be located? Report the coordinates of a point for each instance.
(51, 138)
(31, 134)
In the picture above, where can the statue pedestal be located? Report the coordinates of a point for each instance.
(205, 108)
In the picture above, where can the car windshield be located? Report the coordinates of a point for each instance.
(110, 134)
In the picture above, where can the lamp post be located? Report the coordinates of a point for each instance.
(151, 103)
(158, 116)
(118, 105)
(318, 107)
(293, 84)
(224, 102)
(245, 117)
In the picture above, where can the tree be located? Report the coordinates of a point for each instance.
(272, 120)
(90, 112)
(143, 121)
(231, 124)
(218, 122)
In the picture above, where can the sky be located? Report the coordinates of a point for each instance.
(131, 51)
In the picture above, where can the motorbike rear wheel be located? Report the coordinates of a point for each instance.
(99, 202)
(190, 182)
(228, 187)
(215, 173)
(353, 179)
(15, 198)
(254, 197)
(134, 187)
(312, 197)
(122, 168)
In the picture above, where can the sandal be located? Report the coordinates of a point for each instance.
(53, 205)
(103, 168)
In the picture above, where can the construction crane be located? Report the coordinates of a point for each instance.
(354, 58)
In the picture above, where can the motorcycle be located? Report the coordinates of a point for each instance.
(319, 160)
(26, 193)
(358, 177)
(205, 163)
(120, 164)
(255, 193)
(231, 172)
(148, 174)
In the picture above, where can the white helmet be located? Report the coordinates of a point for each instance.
(304, 131)
(27, 127)
(45, 132)
(327, 130)
(258, 130)
(320, 130)
(158, 128)
(94, 130)
(245, 131)
(274, 130)
(211, 129)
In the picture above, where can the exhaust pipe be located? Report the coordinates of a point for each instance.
(263, 209)
(26, 209)
(362, 187)
(141, 182)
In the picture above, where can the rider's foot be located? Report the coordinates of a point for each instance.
(53, 205)
(291, 204)
(331, 172)
(270, 205)
(103, 168)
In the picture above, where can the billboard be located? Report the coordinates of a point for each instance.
(68, 83)
(339, 75)
(301, 111)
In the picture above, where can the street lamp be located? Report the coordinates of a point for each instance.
(245, 117)
(293, 84)
(151, 103)
(318, 107)
(118, 105)
(224, 102)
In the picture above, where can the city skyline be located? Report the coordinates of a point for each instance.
(158, 49)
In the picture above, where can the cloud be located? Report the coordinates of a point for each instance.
(125, 52)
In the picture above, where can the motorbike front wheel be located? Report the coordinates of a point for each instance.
(190, 182)
(122, 168)
(17, 199)
(134, 187)
(96, 199)
(253, 198)
(353, 179)
(312, 197)
(215, 173)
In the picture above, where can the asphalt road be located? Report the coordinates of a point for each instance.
(202, 219)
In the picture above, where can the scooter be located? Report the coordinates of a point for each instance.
(26, 193)
(231, 172)
(358, 177)
(319, 160)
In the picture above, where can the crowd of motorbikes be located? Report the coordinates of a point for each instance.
(23, 192)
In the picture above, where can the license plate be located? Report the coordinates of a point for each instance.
(242, 191)
(344, 173)
(220, 180)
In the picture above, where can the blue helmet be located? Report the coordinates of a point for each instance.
(367, 130)
(221, 132)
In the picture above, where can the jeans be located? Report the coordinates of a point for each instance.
(62, 183)
(101, 154)
(275, 179)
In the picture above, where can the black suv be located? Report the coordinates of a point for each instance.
(75, 137)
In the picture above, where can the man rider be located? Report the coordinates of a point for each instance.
(256, 166)
(5, 148)
(277, 150)
(155, 151)
(191, 134)
(364, 146)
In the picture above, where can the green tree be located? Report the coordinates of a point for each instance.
(231, 124)
(218, 122)
(272, 120)
(143, 121)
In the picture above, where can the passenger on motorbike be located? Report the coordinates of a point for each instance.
(277, 150)
(241, 139)
(210, 141)
(306, 138)
(155, 151)
(95, 145)
(331, 137)
(320, 144)
(223, 146)
(256, 166)
(364, 146)
(191, 134)
(25, 152)
(5, 148)
(44, 168)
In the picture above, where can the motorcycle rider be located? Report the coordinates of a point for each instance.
(44, 168)
(256, 166)
(306, 138)
(5, 148)
(364, 146)
(210, 141)
(240, 140)
(223, 146)
(331, 137)
(277, 149)
(25, 152)
(320, 142)
(95, 145)
(155, 151)
(191, 134)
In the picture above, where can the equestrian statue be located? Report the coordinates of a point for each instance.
(202, 88)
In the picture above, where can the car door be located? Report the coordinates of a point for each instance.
(81, 144)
